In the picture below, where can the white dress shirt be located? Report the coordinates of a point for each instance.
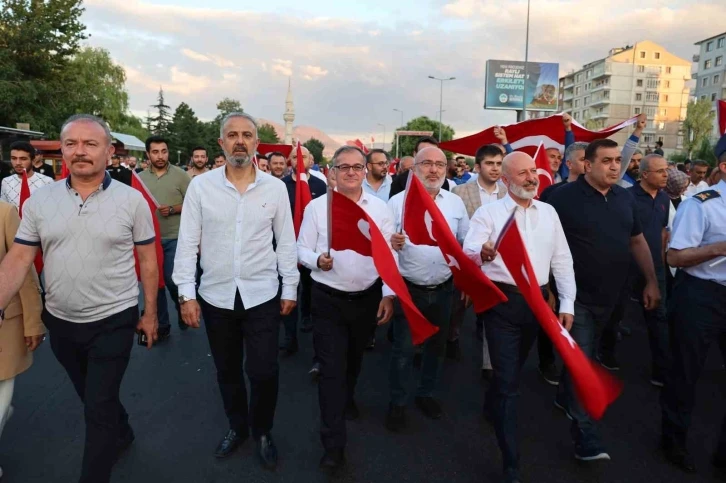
(695, 188)
(424, 264)
(485, 196)
(10, 188)
(351, 272)
(543, 236)
(234, 232)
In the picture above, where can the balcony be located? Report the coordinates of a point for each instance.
(601, 87)
(601, 115)
(568, 96)
(696, 57)
(569, 83)
(602, 71)
(600, 101)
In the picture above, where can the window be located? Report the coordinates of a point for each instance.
(641, 69)
(713, 96)
(588, 74)
(668, 70)
(642, 55)
(663, 112)
(576, 115)
(704, 82)
(656, 55)
(636, 111)
(721, 42)
(577, 102)
(661, 126)
(667, 84)
(719, 60)
(665, 98)
(577, 90)
(707, 64)
(648, 138)
(579, 78)
(715, 79)
(709, 46)
(651, 96)
(639, 83)
(638, 97)
(586, 101)
(703, 98)
(653, 83)
(650, 111)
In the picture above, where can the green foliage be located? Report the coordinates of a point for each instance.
(267, 134)
(678, 157)
(160, 122)
(698, 125)
(186, 132)
(316, 148)
(705, 151)
(422, 123)
(226, 106)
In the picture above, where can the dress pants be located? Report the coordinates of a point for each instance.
(95, 356)
(511, 328)
(697, 318)
(162, 309)
(302, 310)
(234, 334)
(341, 332)
(458, 312)
(435, 305)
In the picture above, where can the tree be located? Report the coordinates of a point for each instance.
(186, 131)
(130, 124)
(316, 148)
(160, 122)
(226, 106)
(698, 124)
(422, 123)
(705, 152)
(267, 134)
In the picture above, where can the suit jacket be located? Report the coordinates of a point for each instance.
(22, 315)
(469, 192)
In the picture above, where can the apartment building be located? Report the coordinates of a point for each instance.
(645, 78)
(710, 73)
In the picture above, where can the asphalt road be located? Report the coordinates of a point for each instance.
(171, 394)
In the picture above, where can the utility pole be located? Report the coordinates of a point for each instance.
(398, 137)
(441, 98)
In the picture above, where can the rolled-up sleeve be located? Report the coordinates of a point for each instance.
(143, 229)
(286, 250)
(563, 269)
(480, 229)
(190, 233)
(387, 226)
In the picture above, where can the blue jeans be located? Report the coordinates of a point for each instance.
(162, 311)
(436, 307)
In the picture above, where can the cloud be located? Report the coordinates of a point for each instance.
(215, 59)
(312, 72)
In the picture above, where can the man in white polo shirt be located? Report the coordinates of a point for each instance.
(21, 159)
(88, 227)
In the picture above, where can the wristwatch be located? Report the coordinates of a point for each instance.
(184, 299)
(171, 210)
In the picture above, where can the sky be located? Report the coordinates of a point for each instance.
(352, 63)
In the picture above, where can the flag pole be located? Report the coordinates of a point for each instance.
(330, 218)
(405, 195)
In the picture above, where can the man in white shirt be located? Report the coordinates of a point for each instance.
(347, 297)
(377, 182)
(511, 326)
(699, 169)
(429, 280)
(232, 214)
(22, 154)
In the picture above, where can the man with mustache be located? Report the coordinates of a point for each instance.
(429, 280)
(168, 184)
(278, 164)
(511, 326)
(232, 214)
(199, 162)
(21, 159)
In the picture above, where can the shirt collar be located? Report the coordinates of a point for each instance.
(481, 188)
(104, 184)
(364, 197)
(510, 204)
(589, 189)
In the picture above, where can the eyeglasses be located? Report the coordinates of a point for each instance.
(430, 164)
(345, 168)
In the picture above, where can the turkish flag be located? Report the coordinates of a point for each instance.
(266, 148)
(527, 135)
(721, 114)
(544, 170)
(139, 185)
(64, 170)
(359, 144)
(353, 229)
(426, 225)
(302, 191)
(24, 195)
(595, 388)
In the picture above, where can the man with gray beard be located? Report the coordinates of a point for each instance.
(232, 214)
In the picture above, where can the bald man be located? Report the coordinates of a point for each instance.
(511, 327)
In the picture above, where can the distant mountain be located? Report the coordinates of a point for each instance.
(304, 133)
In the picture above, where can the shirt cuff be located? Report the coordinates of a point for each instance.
(387, 292)
(310, 259)
(188, 290)
(634, 138)
(289, 292)
(567, 306)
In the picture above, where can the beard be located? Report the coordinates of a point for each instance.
(240, 159)
(431, 184)
(523, 193)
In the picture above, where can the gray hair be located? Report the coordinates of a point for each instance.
(645, 162)
(572, 148)
(346, 149)
(88, 118)
(638, 151)
(233, 115)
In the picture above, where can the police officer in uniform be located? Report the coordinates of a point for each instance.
(696, 311)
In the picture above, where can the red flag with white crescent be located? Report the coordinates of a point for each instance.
(721, 114)
(139, 185)
(302, 191)
(544, 170)
(24, 195)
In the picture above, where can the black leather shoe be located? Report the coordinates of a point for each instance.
(718, 462)
(679, 456)
(487, 375)
(314, 372)
(290, 347)
(453, 351)
(396, 418)
(429, 406)
(163, 334)
(267, 451)
(351, 411)
(229, 443)
(332, 459)
(125, 441)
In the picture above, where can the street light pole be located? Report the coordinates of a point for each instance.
(441, 99)
(383, 146)
(526, 58)
(398, 137)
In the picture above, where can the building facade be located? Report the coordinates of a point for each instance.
(643, 78)
(710, 74)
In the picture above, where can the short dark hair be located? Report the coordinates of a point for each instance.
(659, 143)
(262, 156)
(699, 162)
(219, 155)
(460, 157)
(377, 151)
(155, 140)
(591, 150)
(24, 146)
(275, 153)
(426, 139)
(681, 167)
(197, 148)
(486, 151)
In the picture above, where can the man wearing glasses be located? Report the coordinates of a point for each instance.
(377, 182)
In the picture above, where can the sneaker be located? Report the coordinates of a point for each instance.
(563, 407)
(588, 448)
(550, 374)
(609, 362)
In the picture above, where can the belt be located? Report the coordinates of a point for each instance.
(430, 288)
(505, 287)
(333, 292)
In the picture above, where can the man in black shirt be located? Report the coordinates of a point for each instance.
(118, 172)
(604, 233)
(40, 166)
(399, 182)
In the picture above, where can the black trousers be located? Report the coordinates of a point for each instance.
(696, 318)
(233, 334)
(341, 332)
(95, 356)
